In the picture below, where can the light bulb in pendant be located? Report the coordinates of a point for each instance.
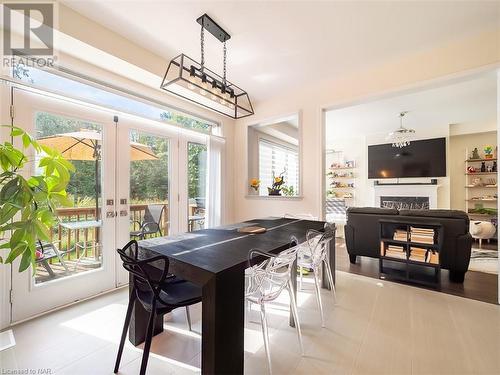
(214, 90)
(202, 89)
(204, 85)
(227, 101)
(192, 79)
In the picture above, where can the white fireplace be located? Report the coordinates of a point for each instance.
(417, 196)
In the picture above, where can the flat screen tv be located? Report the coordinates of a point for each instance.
(425, 158)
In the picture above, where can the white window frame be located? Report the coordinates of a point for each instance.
(289, 151)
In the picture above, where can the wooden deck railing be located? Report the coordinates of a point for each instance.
(67, 239)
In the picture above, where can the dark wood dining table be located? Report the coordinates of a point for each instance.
(216, 259)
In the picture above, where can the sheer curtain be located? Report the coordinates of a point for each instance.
(215, 203)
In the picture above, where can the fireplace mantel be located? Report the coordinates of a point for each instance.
(378, 183)
(406, 190)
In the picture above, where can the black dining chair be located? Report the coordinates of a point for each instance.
(158, 292)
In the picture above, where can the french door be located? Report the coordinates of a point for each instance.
(147, 182)
(134, 178)
(78, 261)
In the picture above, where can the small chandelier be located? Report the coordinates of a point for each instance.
(195, 82)
(402, 136)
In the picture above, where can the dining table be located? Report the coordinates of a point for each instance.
(216, 259)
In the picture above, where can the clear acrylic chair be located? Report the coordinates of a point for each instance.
(312, 255)
(265, 282)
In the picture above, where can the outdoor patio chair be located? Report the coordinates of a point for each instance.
(197, 219)
(151, 223)
(200, 206)
(49, 250)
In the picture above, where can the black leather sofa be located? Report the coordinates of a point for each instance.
(362, 234)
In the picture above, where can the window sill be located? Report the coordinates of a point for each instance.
(275, 197)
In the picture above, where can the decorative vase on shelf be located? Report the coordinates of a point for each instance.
(488, 152)
(475, 154)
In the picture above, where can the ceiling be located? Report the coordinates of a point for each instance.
(472, 103)
(287, 131)
(283, 45)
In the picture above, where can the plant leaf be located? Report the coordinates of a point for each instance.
(26, 260)
(41, 231)
(15, 132)
(15, 252)
(26, 140)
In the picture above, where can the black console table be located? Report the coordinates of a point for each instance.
(412, 248)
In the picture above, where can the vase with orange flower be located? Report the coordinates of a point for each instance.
(255, 184)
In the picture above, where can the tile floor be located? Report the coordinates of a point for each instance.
(375, 327)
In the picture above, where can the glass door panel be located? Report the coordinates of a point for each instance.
(74, 246)
(197, 179)
(145, 182)
(149, 185)
(78, 260)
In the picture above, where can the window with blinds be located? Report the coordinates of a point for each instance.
(276, 159)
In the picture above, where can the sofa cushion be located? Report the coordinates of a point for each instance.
(372, 210)
(451, 214)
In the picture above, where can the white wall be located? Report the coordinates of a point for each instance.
(422, 69)
(462, 129)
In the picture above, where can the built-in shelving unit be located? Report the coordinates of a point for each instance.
(479, 160)
(482, 200)
(481, 173)
(341, 178)
(480, 189)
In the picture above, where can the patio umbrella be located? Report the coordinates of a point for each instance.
(86, 145)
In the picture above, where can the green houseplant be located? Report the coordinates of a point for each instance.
(28, 204)
(277, 185)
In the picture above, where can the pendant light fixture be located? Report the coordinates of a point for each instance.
(402, 136)
(193, 81)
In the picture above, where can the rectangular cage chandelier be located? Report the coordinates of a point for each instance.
(193, 81)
